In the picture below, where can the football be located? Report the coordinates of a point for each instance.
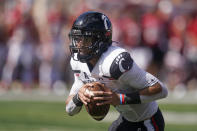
(96, 112)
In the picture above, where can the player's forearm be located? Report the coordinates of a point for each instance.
(155, 92)
(73, 105)
(152, 90)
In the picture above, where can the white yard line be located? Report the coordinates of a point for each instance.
(170, 117)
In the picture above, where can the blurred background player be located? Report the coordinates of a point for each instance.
(160, 35)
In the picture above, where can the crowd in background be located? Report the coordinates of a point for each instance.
(160, 34)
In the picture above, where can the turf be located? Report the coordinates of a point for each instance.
(50, 116)
(44, 116)
(179, 107)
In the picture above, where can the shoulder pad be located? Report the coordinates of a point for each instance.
(122, 63)
(107, 59)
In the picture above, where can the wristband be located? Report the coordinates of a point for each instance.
(133, 98)
(77, 100)
(122, 99)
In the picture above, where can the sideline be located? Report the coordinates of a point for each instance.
(186, 118)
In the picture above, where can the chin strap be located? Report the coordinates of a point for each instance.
(97, 50)
(84, 58)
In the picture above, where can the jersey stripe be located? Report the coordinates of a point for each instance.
(123, 101)
(154, 124)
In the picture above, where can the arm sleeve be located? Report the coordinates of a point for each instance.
(162, 94)
(140, 79)
(77, 81)
(76, 85)
(71, 107)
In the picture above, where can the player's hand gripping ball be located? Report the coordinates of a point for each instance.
(96, 112)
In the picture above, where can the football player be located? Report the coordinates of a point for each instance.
(133, 91)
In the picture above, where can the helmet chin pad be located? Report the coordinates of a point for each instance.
(98, 49)
(84, 58)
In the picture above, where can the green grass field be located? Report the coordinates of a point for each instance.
(50, 116)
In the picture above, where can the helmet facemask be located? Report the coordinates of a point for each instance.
(84, 46)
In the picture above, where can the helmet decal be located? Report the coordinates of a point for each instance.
(105, 19)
